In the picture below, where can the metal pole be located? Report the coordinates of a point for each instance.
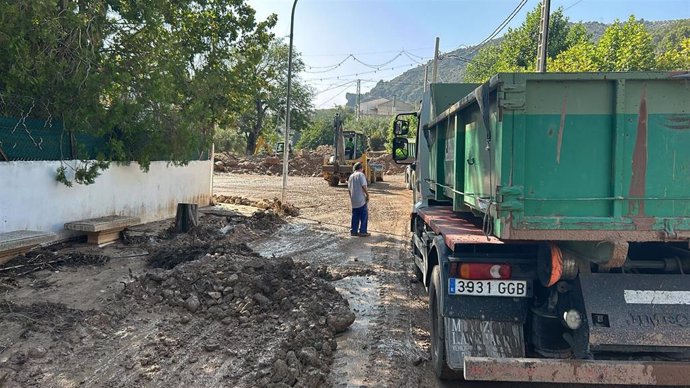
(434, 72)
(358, 100)
(543, 36)
(426, 76)
(286, 145)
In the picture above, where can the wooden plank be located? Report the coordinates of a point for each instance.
(17, 242)
(102, 223)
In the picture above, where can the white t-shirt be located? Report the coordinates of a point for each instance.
(355, 184)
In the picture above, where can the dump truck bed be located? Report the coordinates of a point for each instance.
(586, 156)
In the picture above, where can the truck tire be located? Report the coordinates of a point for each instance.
(334, 180)
(438, 330)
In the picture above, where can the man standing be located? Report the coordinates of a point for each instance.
(359, 197)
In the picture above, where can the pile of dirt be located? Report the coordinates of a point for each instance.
(280, 316)
(207, 313)
(389, 166)
(274, 205)
(301, 163)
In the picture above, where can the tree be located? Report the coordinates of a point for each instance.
(674, 47)
(152, 79)
(622, 47)
(517, 52)
(625, 47)
(320, 130)
(677, 58)
(268, 83)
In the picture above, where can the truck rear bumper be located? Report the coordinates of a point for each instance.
(577, 371)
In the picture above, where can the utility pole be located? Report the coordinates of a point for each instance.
(358, 102)
(286, 145)
(426, 76)
(542, 49)
(434, 74)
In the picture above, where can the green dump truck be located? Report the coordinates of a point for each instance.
(551, 226)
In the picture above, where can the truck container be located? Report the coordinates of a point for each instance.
(551, 226)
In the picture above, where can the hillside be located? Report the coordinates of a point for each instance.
(408, 85)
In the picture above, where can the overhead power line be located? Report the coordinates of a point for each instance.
(361, 72)
(491, 36)
(377, 66)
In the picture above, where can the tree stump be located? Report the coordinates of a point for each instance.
(186, 217)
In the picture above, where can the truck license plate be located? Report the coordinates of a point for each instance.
(509, 288)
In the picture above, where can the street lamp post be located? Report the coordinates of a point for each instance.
(286, 145)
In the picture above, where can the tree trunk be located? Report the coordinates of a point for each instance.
(186, 217)
(256, 130)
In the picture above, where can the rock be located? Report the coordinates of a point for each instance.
(326, 349)
(211, 346)
(341, 320)
(263, 300)
(185, 319)
(309, 356)
(37, 352)
(215, 294)
(18, 358)
(279, 371)
(232, 279)
(192, 303)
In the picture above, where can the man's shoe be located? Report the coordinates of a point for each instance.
(354, 234)
(364, 234)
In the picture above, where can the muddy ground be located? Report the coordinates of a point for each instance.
(248, 298)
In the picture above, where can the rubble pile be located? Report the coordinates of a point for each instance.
(301, 163)
(281, 317)
(274, 205)
(198, 312)
(389, 166)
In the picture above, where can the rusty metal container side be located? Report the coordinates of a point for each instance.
(569, 156)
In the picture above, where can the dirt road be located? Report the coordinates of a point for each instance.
(388, 343)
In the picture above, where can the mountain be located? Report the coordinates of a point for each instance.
(408, 85)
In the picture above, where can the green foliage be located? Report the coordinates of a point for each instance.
(152, 78)
(674, 47)
(84, 172)
(580, 57)
(320, 131)
(374, 127)
(267, 86)
(625, 47)
(677, 58)
(517, 52)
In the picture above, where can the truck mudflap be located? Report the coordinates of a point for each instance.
(577, 371)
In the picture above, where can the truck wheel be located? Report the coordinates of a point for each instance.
(334, 180)
(438, 330)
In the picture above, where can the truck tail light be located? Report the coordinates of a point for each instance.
(480, 271)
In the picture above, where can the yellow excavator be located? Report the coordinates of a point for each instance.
(350, 147)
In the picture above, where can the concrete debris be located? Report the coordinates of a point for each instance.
(274, 205)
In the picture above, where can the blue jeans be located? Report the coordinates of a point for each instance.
(359, 220)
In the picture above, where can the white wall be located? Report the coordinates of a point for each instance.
(31, 198)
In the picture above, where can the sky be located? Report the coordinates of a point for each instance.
(376, 31)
